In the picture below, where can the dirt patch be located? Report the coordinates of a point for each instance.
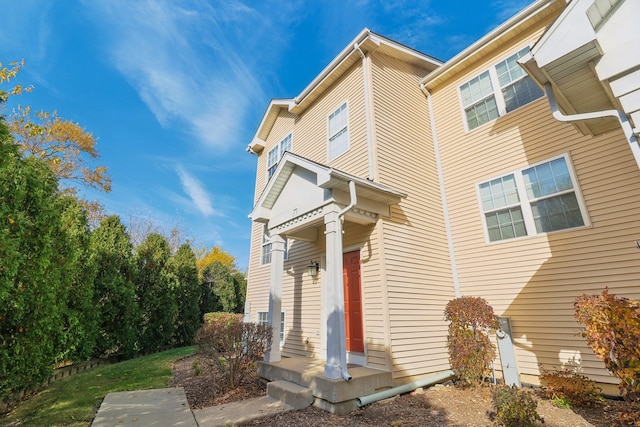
(434, 407)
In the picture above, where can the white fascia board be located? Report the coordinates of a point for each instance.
(267, 120)
(515, 21)
(332, 65)
(571, 30)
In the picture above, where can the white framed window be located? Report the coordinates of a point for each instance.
(497, 91)
(534, 200)
(338, 132)
(263, 320)
(265, 256)
(274, 155)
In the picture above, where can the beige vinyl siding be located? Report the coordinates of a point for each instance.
(310, 133)
(416, 257)
(535, 280)
(301, 296)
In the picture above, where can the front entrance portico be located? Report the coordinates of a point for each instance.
(302, 198)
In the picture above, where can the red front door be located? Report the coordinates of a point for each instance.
(352, 301)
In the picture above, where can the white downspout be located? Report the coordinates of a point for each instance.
(620, 115)
(443, 195)
(343, 334)
(367, 113)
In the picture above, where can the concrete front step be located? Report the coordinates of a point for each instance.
(335, 396)
(292, 394)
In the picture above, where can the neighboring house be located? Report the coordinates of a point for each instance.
(408, 182)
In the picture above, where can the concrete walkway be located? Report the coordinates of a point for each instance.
(169, 407)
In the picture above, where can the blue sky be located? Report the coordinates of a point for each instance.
(174, 89)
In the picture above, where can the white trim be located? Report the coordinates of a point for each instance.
(497, 89)
(525, 201)
(443, 195)
(346, 130)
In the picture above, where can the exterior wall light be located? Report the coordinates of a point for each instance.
(312, 269)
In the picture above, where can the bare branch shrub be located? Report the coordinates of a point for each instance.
(232, 346)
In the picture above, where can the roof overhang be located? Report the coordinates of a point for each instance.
(532, 15)
(365, 42)
(315, 187)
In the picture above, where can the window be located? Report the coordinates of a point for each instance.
(483, 103)
(534, 200)
(265, 257)
(263, 320)
(266, 247)
(274, 155)
(338, 135)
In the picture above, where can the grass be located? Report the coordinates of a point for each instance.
(73, 401)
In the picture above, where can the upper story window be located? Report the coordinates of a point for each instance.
(534, 200)
(274, 155)
(338, 132)
(497, 91)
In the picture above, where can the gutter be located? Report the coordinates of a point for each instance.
(367, 109)
(491, 37)
(332, 65)
(343, 349)
(620, 115)
(443, 194)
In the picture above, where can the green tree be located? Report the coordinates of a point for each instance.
(187, 295)
(78, 276)
(155, 291)
(222, 289)
(31, 311)
(114, 292)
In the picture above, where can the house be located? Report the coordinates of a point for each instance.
(393, 183)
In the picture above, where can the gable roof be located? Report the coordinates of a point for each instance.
(327, 178)
(510, 29)
(365, 42)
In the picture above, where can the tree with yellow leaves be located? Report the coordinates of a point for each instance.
(7, 74)
(216, 254)
(64, 145)
(61, 143)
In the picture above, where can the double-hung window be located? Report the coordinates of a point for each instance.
(274, 155)
(265, 257)
(497, 91)
(263, 320)
(533, 200)
(338, 132)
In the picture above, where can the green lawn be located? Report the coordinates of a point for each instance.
(73, 400)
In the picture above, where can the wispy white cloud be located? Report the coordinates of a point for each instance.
(505, 9)
(182, 60)
(195, 190)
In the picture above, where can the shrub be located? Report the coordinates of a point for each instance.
(569, 388)
(612, 330)
(470, 350)
(514, 407)
(232, 346)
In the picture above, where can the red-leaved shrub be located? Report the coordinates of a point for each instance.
(470, 350)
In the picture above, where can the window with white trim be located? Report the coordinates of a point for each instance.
(537, 199)
(274, 155)
(265, 256)
(338, 132)
(482, 102)
(263, 320)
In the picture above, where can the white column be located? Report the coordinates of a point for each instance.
(275, 296)
(336, 345)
